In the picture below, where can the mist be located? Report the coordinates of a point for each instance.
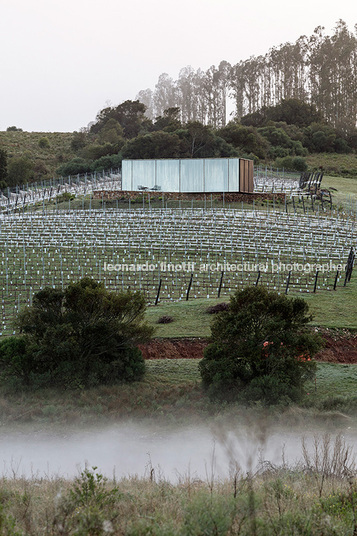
(198, 451)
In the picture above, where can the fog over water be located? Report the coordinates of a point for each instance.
(124, 449)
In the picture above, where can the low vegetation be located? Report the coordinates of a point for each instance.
(317, 496)
(171, 390)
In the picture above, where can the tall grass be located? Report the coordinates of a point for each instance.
(314, 497)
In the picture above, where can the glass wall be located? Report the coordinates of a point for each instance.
(183, 175)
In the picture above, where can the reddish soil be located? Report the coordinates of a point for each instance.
(340, 347)
(174, 349)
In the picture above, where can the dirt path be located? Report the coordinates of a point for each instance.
(339, 348)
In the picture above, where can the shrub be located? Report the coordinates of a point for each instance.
(106, 162)
(270, 390)
(299, 163)
(81, 336)
(44, 142)
(262, 335)
(15, 361)
(89, 507)
(74, 167)
(3, 166)
(65, 197)
(296, 163)
(211, 516)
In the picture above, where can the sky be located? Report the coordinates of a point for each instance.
(61, 61)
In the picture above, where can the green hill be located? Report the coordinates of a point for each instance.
(45, 159)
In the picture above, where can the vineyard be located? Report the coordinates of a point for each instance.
(171, 254)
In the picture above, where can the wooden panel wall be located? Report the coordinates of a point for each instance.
(246, 170)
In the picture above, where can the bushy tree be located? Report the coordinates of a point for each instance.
(129, 114)
(199, 141)
(169, 121)
(96, 150)
(112, 132)
(245, 139)
(290, 111)
(261, 348)
(154, 145)
(20, 171)
(82, 335)
(79, 140)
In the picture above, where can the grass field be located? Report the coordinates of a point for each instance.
(282, 502)
(334, 164)
(330, 309)
(171, 390)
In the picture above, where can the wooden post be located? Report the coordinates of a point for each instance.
(158, 293)
(335, 283)
(316, 276)
(257, 281)
(189, 287)
(220, 284)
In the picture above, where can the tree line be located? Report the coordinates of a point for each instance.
(320, 70)
(283, 134)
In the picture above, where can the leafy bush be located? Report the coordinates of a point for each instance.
(96, 150)
(3, 166)
(106, 162)
(261, 342)
(89, 506)
(79, 140)
(74, 167)
(270, 390)
(15, 360)
(81, 336)
(44, 142)
(245, 139)
(211, 516)
(296, 163)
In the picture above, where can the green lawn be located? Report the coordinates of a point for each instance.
(190, 318)
(335, 388)
(170, 389)
(330, 309)
(346, 191)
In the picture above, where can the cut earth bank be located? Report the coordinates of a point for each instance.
(339, 347)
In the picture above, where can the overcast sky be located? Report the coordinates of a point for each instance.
(64, 60)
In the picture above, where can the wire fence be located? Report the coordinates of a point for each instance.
(171, 254)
